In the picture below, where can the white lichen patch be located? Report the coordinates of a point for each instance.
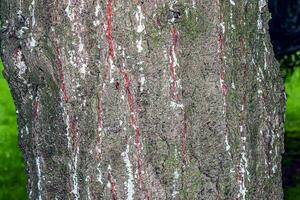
(243, 173)
(193, 4)
(87, 181)
(232, 2)
(97, 9)
(32, 13)
(38, 162)
(259, 92)
(139, 45)
(223, 27)
(176, 105)
(67, 119)
(78, 56)
(31, 43)
(266, 52)
(261, 5)
(174, 57)
(243, 165)
(96, 22)
(140, 27)
(99, 174)
(233, 85)
(175, 180)
(130, 181)
(73, 165)
(26, 130)
(227, 146)
(142, 81)
(112, 69)
(19, 63)
(68, 10)
(259, 22)
(23, 29)
(231, 19)
(123, 97)
(139, 42)
(186, 11)
(140, 17)
(73, 162)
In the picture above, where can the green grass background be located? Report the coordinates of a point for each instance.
(291, 157)
(12, 174)
(292, 88)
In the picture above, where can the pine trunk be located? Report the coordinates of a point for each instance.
(147, 99)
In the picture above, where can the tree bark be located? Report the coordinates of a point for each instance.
(145, 99)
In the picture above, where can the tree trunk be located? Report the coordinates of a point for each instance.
(147, 99)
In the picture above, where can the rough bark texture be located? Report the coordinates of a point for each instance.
(149, 99)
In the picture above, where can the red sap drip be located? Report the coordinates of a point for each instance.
(35, 106)
(108, 32)
(113, 188)
(133, 119)
(74, 132)
(61, 75)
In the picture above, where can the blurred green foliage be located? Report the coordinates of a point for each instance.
(290, 66)
(292, 193)
(292, 88)
(12, 174)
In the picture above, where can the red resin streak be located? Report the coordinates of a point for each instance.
(35, 106)
(133, 119)
(57, 9)
(61, 75)
(109, 28)
(58, 59)
(100, 126)
(113, 186)
(172, 51)
(74, 132)
(130, 97)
